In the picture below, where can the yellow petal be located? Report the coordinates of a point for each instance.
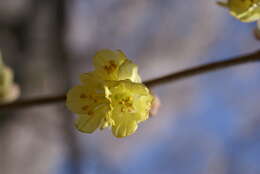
(143, 105)
(107, 63)
(6, 81)
(124, 128)
(92, 80)
(102, 57)
(107, 121)
(100, 118)
(88, 124)
(131, 103)
(129, 70)
(6, 77)
(223, 4)
(83, 100)
(244, 10)
(251, 15)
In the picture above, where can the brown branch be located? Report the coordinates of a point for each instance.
(242, 59)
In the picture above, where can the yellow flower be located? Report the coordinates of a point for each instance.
(244, 10)
(131, 103)
(114, 65)
(110, 96)
(91, 102)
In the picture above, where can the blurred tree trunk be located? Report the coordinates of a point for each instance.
(33, 140)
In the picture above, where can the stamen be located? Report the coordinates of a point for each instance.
(90, 113)
(83, 96)
(127, 104)
(85, 108)
(111, 67)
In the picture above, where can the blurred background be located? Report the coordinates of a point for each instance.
(207, 124)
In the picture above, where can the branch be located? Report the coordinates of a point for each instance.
(242, 59)
(201, 69)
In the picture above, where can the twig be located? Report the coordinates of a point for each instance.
(242, 59)
(32, 102)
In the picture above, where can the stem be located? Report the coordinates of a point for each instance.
(201, 69)
(242, 59)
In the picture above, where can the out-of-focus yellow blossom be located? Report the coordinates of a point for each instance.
(110, 96)
(244, 10)
(131, 103)
(9, 91)
(6, 80)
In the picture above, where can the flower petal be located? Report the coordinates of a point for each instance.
(131, 103)
(129, 70)
(244, 10)
(88, 124)
(92, 80)
(83, 100)
(124, 128)
(100, 118)
(102, 57)
(253, 14)
(107, 63)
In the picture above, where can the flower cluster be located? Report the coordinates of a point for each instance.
(110, 96)
(244, 10)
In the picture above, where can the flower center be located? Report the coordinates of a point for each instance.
(126, 104)
(92, 99)
(111, 67)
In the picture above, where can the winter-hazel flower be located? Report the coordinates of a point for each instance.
(131, 103)
(244, 10)
(114, 65)
(92, 105)
(110, 96)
